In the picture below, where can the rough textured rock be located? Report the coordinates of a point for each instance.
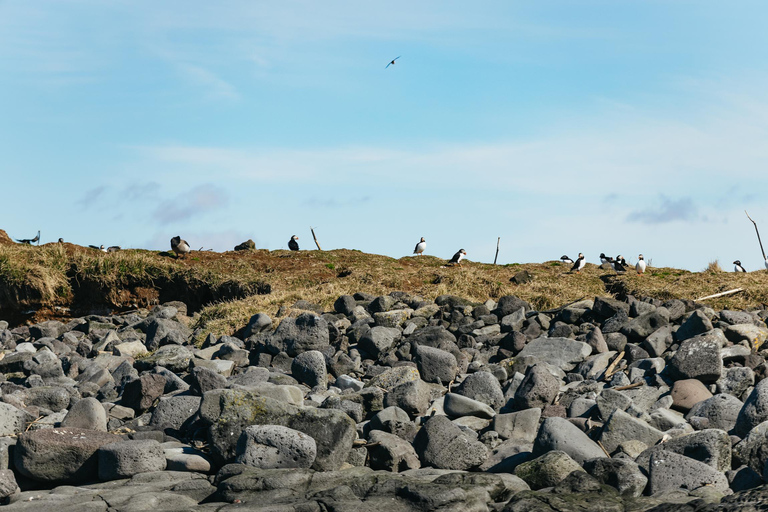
(698, 358)
(547, 470)
(538, 389)
(754, 411)
(127, 458)
(273, 447)
(391, 453)
(88, 414)
(436, 365)
(296, 335)
(625, 475)
(670, 471)
(484, 387)
(622, 427)
(562, 352)
(443, 445)
(141, 393)
(309, 368)
(562, 435)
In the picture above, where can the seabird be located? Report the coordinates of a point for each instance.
(113, 248)
(30, 241)
(737, 266)
(293, 244)
(605, 259)
(420, 247)
(620, 264)
(565, 259)
(579, 264)
(98, 248)
(456, 260)
(61, 240)
(179, 246)
(392, 62)
(640, 266)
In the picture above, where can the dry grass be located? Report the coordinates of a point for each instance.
(713, 267)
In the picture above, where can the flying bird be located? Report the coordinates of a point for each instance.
(737, 267)
(420, 247)
(293, 244)
(179, 246)
(392, 62)
(640, 266)
(565, 259)
(30, 241)
(456, 260)
(98, 248)
(579, 264)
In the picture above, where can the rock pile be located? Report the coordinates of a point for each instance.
(390, 402)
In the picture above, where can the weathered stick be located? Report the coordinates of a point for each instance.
(313, 236)
(497, 250)
(729, 292)
(758, 235)
(612, 367)
(635, 385)
(604, 450)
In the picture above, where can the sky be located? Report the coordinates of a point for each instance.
(561, 126)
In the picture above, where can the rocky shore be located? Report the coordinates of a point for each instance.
(390, 403)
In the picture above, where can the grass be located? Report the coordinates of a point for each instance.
(49, 275)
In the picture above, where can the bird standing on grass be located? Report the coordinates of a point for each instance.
(737, 266)
(293, 244)
(392, 62)
(640, 266)
(619, 264)
(420, 247)
(98, 247)
(456, 260)
(179, 246)
(566, 260)
(579, 264)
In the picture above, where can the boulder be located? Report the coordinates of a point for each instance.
(389, 452)
(670, 472)
(458, 406)
(127, 458)
(436, 365)
(623, 474)
(309, 368)
(296, 335)
(696, 324)
(564, 353)
(698, 358)
(174, 412)
(87, 414)
(484, 387)
(688, 392)
(521, 425)
(721, 411)
(275, 447)
(443, 445)
(621, 427)
(547, 470)
(562, 435)
(141, 393)
(378, 340)
(537, 390)
(754, 411)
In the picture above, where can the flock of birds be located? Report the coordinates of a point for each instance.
(618, 263)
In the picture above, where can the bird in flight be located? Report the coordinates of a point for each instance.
(392, 62)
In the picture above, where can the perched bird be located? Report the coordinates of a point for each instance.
(30, 241)
(61, 240)
(565, 259)
(737, 266)
(456, 260)
(114, 248)
(420, 247)
(98, 248)
(392, 62)
(293, 244)
(579, 264)
(179, 246)
(640, 266)
(620, 264)
(605, 259)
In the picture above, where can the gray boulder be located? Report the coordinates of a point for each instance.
(646, 324)
(560, 434)
(671, 472)
(482, 386)
(127, 458)
(696, 324)
(711, 447)
(309, 368)
(275, 447)
(736, 381)
(12, 420)
(391, 453)
(141, 393)
(698, 358)
(537, 390)
(258, 323)
(547, 470)
(564, 353)
(521, 425)
(722, 411)
(443, 445)
(754, 411)
(753, 449)
(436, 365)
(378, 340)
(8, 485)
(458, 406)
(414, 397)
(296, 335)
(174, 411)
(172, 357)
(88, 414)
(161, 329)
(394, 420)
(622, 427)
(622, 474)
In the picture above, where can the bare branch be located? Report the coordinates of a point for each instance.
(758, 235)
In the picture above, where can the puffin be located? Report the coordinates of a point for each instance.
(640, 266)
(30, 241)
(737, 267)
(98, 248)
(579, 264)
(61, 240)
(605, 259)
(456, 260)
(293, 244)
(565, 259)
(420, 247)
(179, 246)
(619, 264)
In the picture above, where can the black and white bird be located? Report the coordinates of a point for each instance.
(114, 248)
(456, 260)
(179, 246)
(98, 248)
(61, 240)
(605, 259)
(579, 264)
(392, 62)
(420, 247)
(293, 244)
(640, 266)
(620, 264)
(737, 266)
(566, 260)
(30, 241)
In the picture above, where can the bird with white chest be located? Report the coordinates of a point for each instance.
(566, 260)
(293, 244)
(579, 264)
(456, 260)
(179, 246)
(640, 266)
(737, 267)
(420, 247)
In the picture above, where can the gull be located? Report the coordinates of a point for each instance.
(392, 62)
(30, 241)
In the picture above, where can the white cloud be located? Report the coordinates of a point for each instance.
(198, 201)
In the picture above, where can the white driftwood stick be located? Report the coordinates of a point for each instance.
(735, 290)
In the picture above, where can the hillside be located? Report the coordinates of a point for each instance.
(225, 289)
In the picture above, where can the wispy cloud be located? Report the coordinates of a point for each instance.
(215, 86)
(141, 191)
(667, 210)
(198, 201)
(91, 197)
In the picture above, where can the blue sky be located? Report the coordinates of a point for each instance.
(559, 126)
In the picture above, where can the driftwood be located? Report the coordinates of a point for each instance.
(729, 292)
(612, 367)
(313, 236)
(635, 385)
(497, 250)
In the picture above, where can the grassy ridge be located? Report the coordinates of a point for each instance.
(53, 275)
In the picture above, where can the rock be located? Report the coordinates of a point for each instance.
(258, 323)
(414, 397)
(547, 470)
(229, 411)
(296, 335)
(141, 393)
(12, 420)
(621, 427)
(711, 447)
(753, 449)
(309, 368)
(159, 329)
(61, 455)
(49, 397)
(606, 307)
(174, 411)
(670, 471)
(248, 245)
(754, 411)
(204, 380)
(521, 425)
(391, 453)
(564, 353)
(694, 325)
(736, 381)
(443, 445)
(508, 304)
(722, 411)
(346, 382)
(562, 435)
(47, 329)
(345, 304)
(538, 389)
(457, 406)
(513, 321)
(623, 474)
(394, 377)
(87, 414)
(658, 341)
(436, 365)
(484, 387)
(8, 485)
(172, 357)
(275, 447)
(687, 393)
(394, 420)
(127, 458)
(596, 340)
(646, 324)
(698, 358)
(378, 340)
